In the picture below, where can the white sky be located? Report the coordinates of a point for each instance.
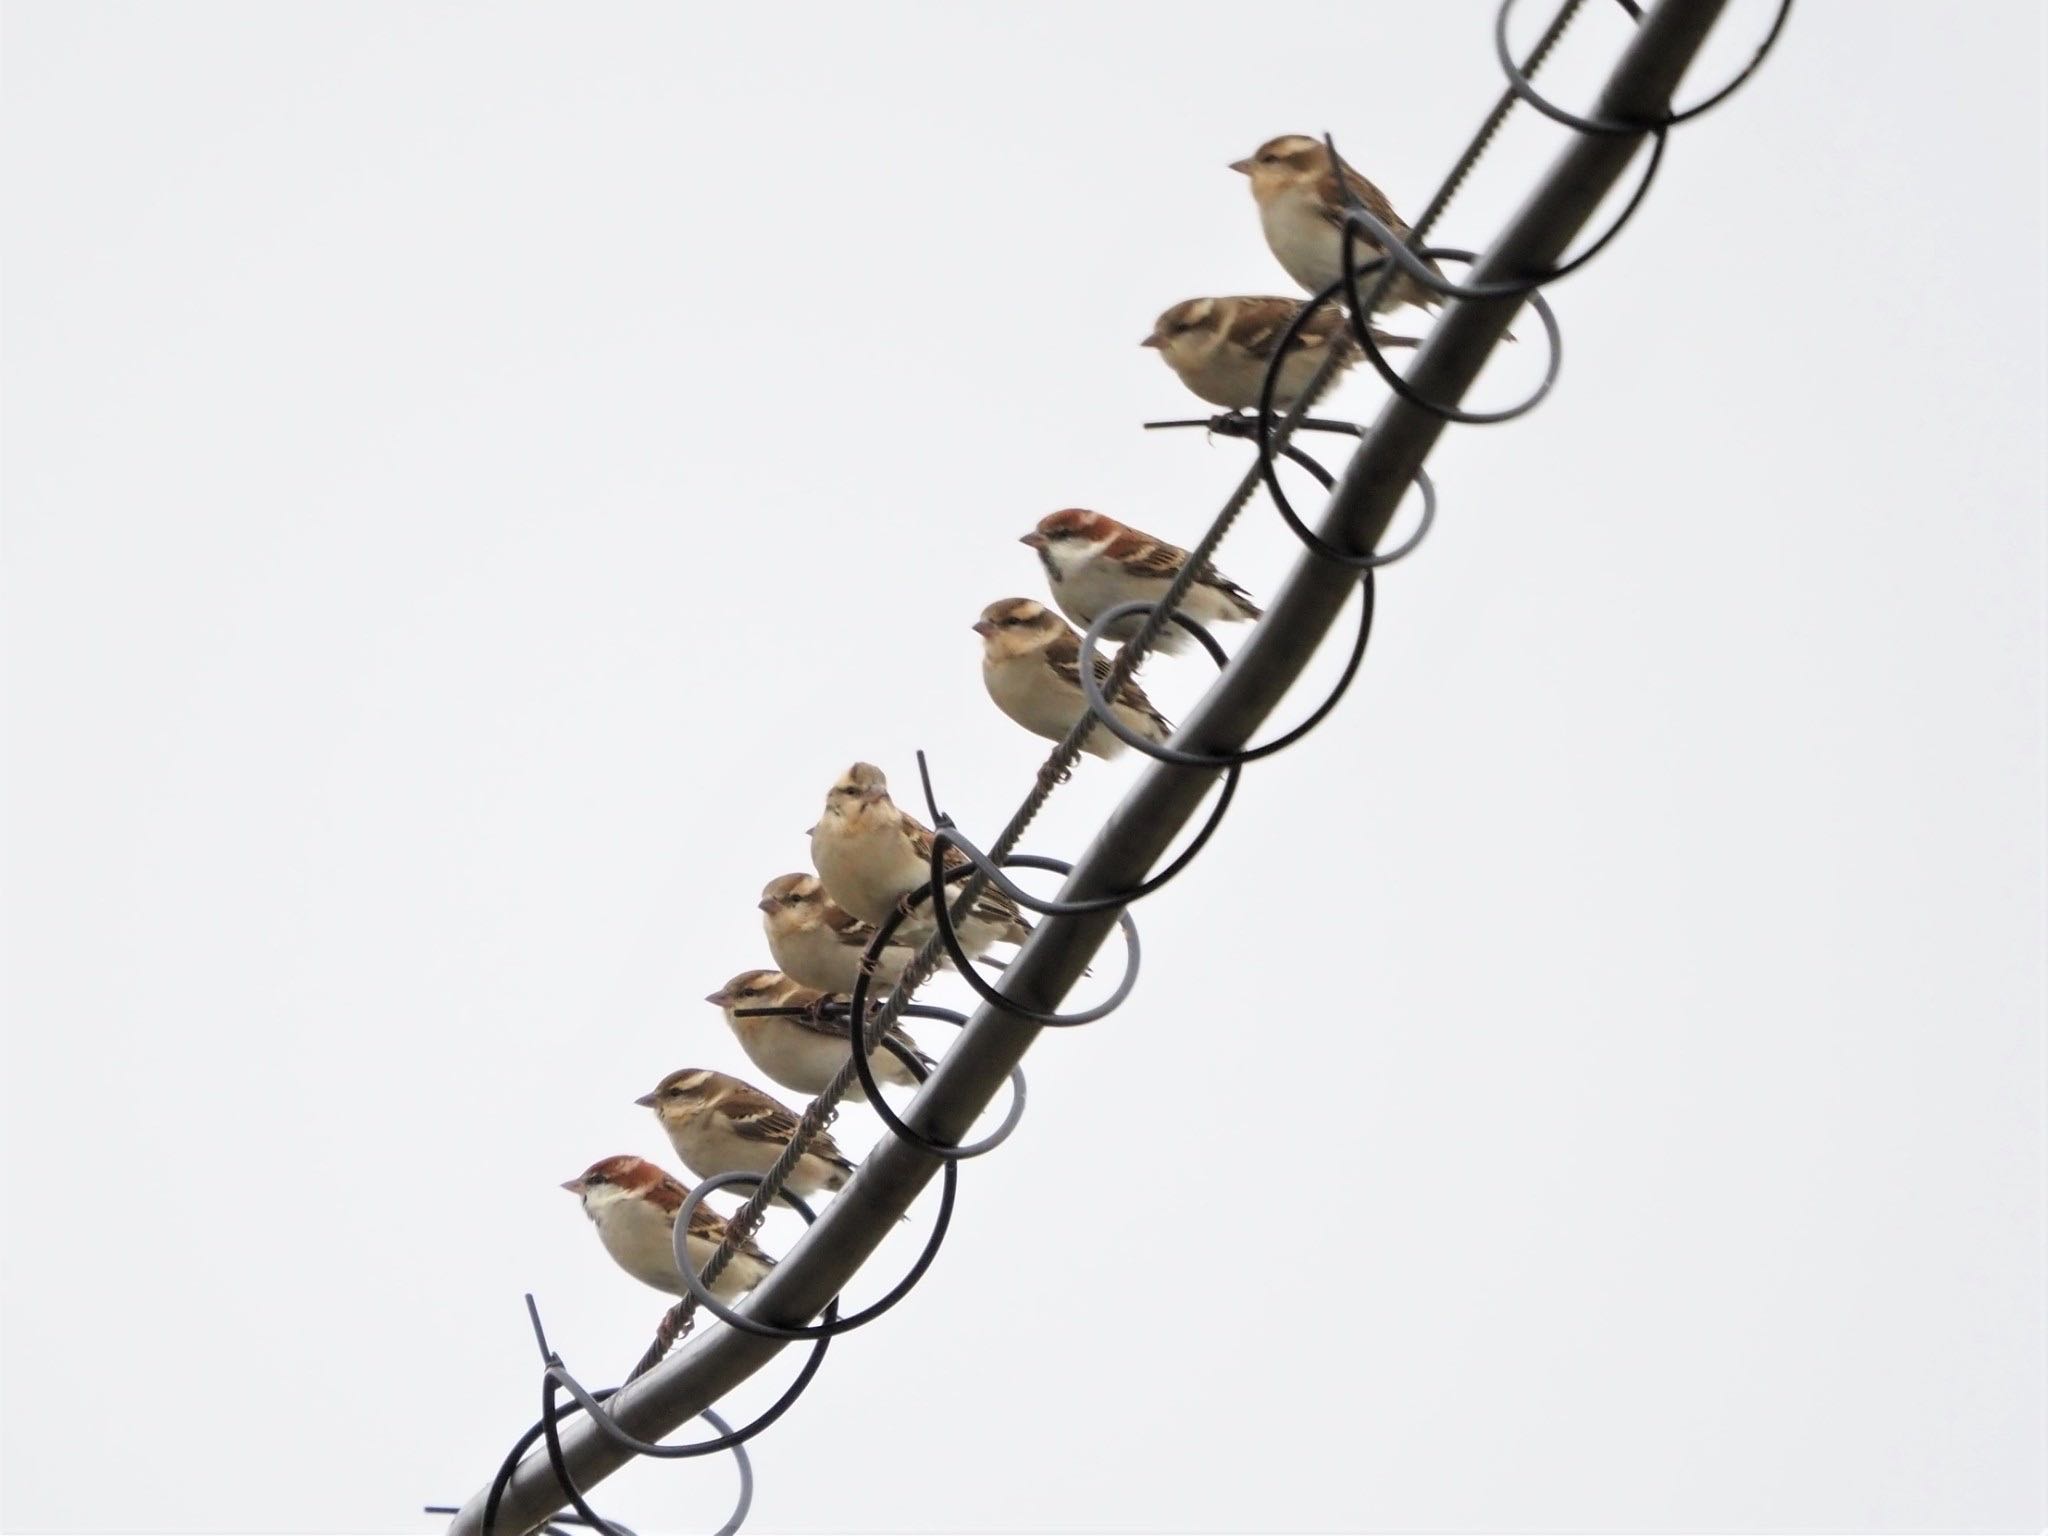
(474, 476)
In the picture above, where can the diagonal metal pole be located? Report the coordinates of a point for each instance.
(1163, 800)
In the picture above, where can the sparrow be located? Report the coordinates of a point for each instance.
(820, 944)
(635, 1205)
(718, 1124)
(1031, 662)
(1093, 563)
(871, 854)
(1301, 206)
(801, 1051)
(1220, 347)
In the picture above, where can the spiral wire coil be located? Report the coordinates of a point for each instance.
(1272, 434)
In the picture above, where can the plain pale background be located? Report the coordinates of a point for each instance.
(476, 474)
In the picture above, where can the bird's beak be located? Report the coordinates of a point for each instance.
(983, 628)
(719, 998)
(1150, 341)
(1033, 540)
(574, 1186)
(645, 1101)
(766, 904)
(1242, 167)
(811, 830)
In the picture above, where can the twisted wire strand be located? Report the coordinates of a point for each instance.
(1475, 151)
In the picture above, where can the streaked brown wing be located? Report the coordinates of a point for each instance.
(921, 838)
(1260, 323)
(848, 929)
(1329, 207)
(1330, 203)
(833, 1027)
(1065, 656)
(761, 1120)
(707, 1226)
(991, 905)
(1154, 560)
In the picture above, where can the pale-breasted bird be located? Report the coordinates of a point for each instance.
(718, 1124)
(1094, 563)
(1300, 194)
(1221, 347)
(635, 1205)
(871, 854)
(1031, 663)
(820, 944)
(801, 1051)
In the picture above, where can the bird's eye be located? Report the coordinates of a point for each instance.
(1269, 159)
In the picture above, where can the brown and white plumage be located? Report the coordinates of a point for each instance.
(634, 1206)
(1221, 347)
(1300, 194)
(820, 944)
(871, 854)
(718, 1124)
(801, 1051)
(1031, 662)
(1093, 563)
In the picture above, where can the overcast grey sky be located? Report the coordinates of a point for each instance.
(475, 474)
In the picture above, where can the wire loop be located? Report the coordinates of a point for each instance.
(585, 1516)
(1361, 333)
(948, 837)
(832, 1325)
(1357, 217)
(1323, 549)
(1608, 127)
(728, 1439)
(900, 1128)
(1231, 761)
(1262, 427)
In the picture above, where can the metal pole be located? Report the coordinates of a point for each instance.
(1145, 823)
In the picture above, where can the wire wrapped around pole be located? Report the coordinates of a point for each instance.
(1119, 865)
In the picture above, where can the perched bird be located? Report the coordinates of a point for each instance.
(1031, 662)
(801, 1051)
(820, 944)
(635, 1206)
(1221, 347)
(718, 1124)
(1301, 206)
(872, 854)
(1094, 562)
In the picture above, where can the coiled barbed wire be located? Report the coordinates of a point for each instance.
(1272, 438)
